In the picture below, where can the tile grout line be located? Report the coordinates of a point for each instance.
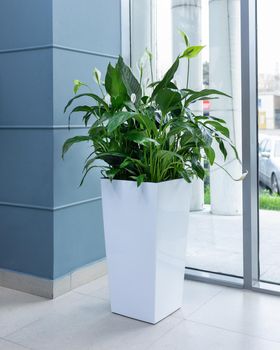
(204, 303)
(13, 342)
(164, 334)
(148, 346)
(232, 331)
(181, 320)
(91, 296)
(6, 337)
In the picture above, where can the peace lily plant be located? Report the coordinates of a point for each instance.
(146, 131)
(149, 145)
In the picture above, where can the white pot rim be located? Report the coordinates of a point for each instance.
(145, 182)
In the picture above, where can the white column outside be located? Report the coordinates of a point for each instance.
(225, 75)
(186, 15)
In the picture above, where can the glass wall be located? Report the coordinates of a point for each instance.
(269, 140)
(215, 234)
(215, 231)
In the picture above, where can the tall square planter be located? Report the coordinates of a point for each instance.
(145, 236)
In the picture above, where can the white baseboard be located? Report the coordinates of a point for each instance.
(52, 288)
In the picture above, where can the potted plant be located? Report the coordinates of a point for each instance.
(149, 146)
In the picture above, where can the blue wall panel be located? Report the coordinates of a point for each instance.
(26, 241)
(35, 84)
(26, 162)
(91, 25)
(26, 88)
(25, 23)
(78, 237)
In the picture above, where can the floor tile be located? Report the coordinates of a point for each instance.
(90, 325)
(18, 309)
(252, 313)
(98, 288)
(195, 296)
(6, 345)
(191, 336)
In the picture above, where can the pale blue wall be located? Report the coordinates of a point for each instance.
(49, 226)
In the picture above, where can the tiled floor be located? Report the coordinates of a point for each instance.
(212, 318)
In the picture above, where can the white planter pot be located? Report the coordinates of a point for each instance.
(145, 236)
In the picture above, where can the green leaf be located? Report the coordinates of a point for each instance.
(81, 109)
(222, 129)
(169, 75)
(199, 170)
(192, 51)
(185, 38)
(70, 142)
(210, 153)
(88, 109)
(112, 173)
(139, 179)
(97, 132)
(147, 122)
(112, 158)
(168, 100)
(114, 84)
(117, 119)
(185, 176)
(235, 152)
(93, 96)
(85, 174)
(77, 85)
(222, 149)
(145, 99)
(205, 93)
(139, 137)
(131, 83)
(126, 163)
(222, 121)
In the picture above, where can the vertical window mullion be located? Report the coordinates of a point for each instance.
(250, 142)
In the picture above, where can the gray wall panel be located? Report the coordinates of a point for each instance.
(92, 25)
(78, 237)
(25, 23)
(26, 238)
(52, 42)
(26, 163)
(26, 90)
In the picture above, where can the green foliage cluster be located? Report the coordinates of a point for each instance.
(147, 131)
(269, 201)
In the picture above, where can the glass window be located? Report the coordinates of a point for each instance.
(267, 147)
(262, 145)
(215, 236)
(215, 231)
(277, 149)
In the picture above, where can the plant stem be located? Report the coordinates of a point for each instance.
(100, 87)
(151, 68)
(188, 73)
(141, 75)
